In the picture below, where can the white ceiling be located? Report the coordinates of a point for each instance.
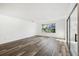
(36, 12)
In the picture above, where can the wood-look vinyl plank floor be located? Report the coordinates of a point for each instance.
(34, 46)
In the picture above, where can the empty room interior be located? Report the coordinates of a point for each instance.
(39, 29)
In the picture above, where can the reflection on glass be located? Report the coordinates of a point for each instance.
(73, 33)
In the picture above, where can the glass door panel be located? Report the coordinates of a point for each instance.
(73, 33)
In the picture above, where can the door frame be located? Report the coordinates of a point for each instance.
(78, 28)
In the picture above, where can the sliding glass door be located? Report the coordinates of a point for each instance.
(72, 34)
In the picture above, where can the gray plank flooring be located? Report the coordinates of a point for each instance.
(34, 46)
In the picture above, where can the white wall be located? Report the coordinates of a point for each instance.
(13, 29)
(60, 29)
